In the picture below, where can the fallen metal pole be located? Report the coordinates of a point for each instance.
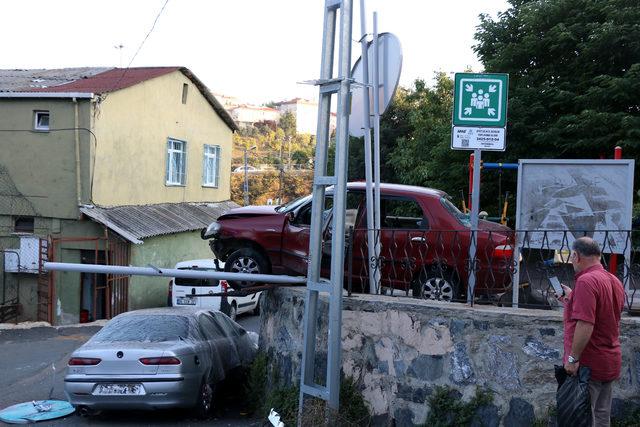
(172, 272)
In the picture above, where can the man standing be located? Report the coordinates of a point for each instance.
(592, 326)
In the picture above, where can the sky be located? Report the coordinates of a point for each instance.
(256, 50)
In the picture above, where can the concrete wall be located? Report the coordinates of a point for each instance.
(398, 349)
(38, 169)
(162, 251)
(133, 125)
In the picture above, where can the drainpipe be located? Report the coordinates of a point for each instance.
(77, 143)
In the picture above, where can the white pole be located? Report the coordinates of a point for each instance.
(367, 149)
(376, 143)
(475, 210)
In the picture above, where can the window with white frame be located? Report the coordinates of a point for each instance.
(211, 166)
(176, 162)
(41, 120)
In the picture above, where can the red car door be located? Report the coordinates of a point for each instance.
(295, 240)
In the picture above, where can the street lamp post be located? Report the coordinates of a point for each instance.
(246, 177)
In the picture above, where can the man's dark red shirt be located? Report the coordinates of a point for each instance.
(597, 298)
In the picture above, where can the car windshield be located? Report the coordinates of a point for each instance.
(289, 206)
(463, 218)
(144, 328)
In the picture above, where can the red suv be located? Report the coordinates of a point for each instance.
(424, 242)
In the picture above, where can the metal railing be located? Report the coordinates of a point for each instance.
(435, 264)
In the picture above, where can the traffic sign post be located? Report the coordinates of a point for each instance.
(479, 123)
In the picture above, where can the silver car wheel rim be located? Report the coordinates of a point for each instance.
(438, 289)
(245, 265)
(206, 395)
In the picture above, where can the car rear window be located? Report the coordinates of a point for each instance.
(196, 282)
(144, 328)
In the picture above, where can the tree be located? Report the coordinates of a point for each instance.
(574, 68)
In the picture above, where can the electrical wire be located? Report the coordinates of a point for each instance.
(153, 26)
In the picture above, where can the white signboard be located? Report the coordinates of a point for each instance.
(592, 197)
(471, 138)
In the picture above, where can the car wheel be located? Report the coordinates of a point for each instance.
(245, 260)
(205, 400)
(233, 311)
(436, 286)
(256, 310)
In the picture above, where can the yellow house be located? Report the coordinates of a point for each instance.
(115, 166)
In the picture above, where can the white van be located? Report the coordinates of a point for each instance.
(181, 291)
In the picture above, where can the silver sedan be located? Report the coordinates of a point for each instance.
(158, 358)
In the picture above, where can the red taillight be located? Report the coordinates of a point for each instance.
(84, 361)
(225, 285)
(160, 361)
(503, 251)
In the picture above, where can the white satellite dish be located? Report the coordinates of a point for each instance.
(389, 68)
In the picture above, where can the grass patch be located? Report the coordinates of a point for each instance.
(448, 409)
(285, 399)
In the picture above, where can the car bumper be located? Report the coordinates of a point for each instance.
(175, 391)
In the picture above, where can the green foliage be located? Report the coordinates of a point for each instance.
(285, 399)
(448, 410)
(574, 68)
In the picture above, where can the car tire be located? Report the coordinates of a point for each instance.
(256, 310)
(437, 284)
(245, 260)
(204, 401)
(233, 311)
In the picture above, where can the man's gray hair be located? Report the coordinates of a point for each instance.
(586, 246)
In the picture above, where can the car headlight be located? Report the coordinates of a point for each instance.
(211, 230)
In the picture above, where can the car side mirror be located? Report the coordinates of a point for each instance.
(291, 216)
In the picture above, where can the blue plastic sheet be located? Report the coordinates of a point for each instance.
(38, 410)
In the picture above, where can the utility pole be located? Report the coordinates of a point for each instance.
(246, 176)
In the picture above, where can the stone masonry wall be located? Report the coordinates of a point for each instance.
(398, 349)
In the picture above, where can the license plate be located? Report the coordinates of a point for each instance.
(119, 390)
(186, 301)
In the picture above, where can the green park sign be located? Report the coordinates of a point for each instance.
(480, 100)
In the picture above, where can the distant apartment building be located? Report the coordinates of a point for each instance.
(248, 115)
(306, 114)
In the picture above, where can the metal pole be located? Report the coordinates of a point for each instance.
(246, 179)
(613, 259)
(376, 145)
(171, 272)
(367, 149)
(334, 357)
(475, 209)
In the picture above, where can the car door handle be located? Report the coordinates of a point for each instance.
(418, 239)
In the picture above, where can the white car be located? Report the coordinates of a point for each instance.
(240, 169)
(181, 292)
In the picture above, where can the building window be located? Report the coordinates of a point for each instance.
(185, 91)
(211, 166)
(176, 162)
(41, 120)
(23, 224)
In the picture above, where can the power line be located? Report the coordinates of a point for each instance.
(141, 44)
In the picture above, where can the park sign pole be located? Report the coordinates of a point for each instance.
(479, 123)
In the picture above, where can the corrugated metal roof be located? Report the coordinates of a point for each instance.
(138, 222)
(36, 80)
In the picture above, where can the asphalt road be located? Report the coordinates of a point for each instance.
(27, 362)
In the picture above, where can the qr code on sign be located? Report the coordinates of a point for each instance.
(465, 142)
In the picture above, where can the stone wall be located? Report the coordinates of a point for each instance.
(398, 349)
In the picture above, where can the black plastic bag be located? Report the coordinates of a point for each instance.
(573, 398)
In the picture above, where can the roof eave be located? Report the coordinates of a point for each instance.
(222, 112)
(85, 95)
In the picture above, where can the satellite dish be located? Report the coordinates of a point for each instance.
(389, 68)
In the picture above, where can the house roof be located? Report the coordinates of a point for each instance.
(36, 80)
(99, 81)
(138, 222)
